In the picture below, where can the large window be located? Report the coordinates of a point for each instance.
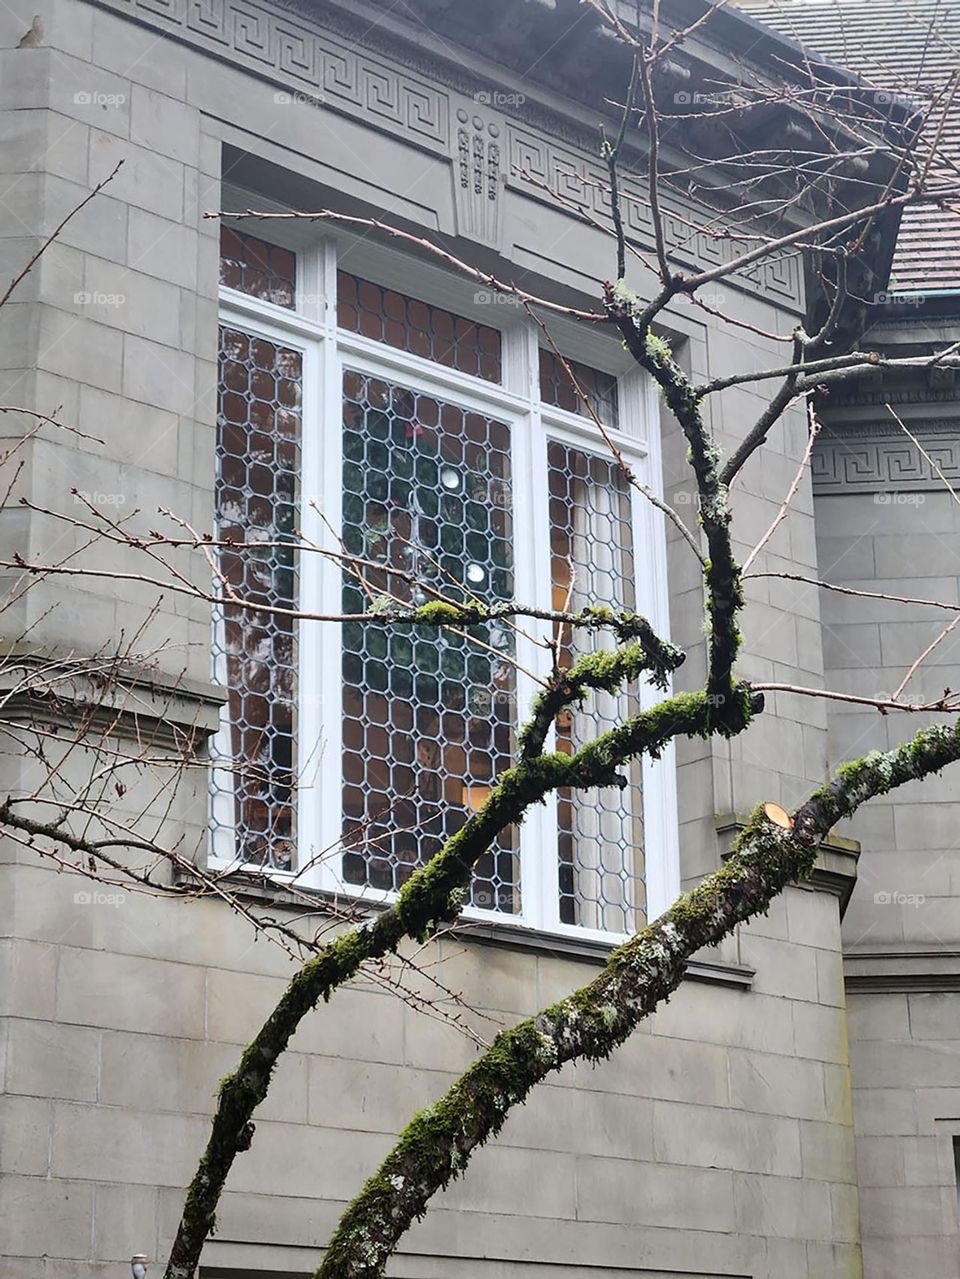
(431, 438)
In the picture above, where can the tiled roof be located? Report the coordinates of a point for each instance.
(910, 48)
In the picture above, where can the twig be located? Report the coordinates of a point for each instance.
(55, 233)
(792, 492)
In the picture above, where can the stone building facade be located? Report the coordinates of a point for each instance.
(885, 474)
(720, 1140)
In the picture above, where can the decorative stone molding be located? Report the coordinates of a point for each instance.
(487, 151)
(915, 392)
(872, 457)
(277, 45)
(539, 165)
(901, 971)
(477, 173)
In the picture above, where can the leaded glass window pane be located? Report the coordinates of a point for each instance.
(428, 718)
(253, 266)
(600, 832)
(387, 316)
(255, 651)
(556, 388)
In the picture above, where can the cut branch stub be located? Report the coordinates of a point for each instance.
(779, 816)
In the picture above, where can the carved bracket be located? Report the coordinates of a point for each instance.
(477, 174)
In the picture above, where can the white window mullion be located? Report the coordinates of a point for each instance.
(545, 851)
(539, 866)
(661, 833)
(312, 639)
(322, 514)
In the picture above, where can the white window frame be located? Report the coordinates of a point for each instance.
(326, 350)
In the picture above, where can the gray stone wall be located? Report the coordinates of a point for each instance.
(887, 523)
(719, 1140)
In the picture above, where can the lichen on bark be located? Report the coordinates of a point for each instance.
(590, 1023)
(723, 588)
(430, 897)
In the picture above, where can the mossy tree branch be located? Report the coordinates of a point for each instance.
(432, 896)
(623, 624)
(436, 1146)
(724, 593)
(603, 671)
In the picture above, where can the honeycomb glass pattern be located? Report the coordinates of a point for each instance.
(600, 833)
(429, 331)
(428, 717)
(557, 389)
(253, 266)
(255, 652)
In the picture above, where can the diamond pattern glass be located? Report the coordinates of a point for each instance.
(255, 651)
(428, 717)
(600, 832)
(253, 266)
(387, 316)
(557, 389)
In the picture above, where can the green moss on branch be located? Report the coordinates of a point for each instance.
(441, 613)
(431, 896)
(590, 1023)
(605, 671)
(724, 594)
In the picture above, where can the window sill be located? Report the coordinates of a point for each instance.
(507, 936)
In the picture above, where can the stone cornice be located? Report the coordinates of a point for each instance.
(55, 689)
(491, 140)
(496, 933)
(874, 456)
(901, 971)
(916, 390)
